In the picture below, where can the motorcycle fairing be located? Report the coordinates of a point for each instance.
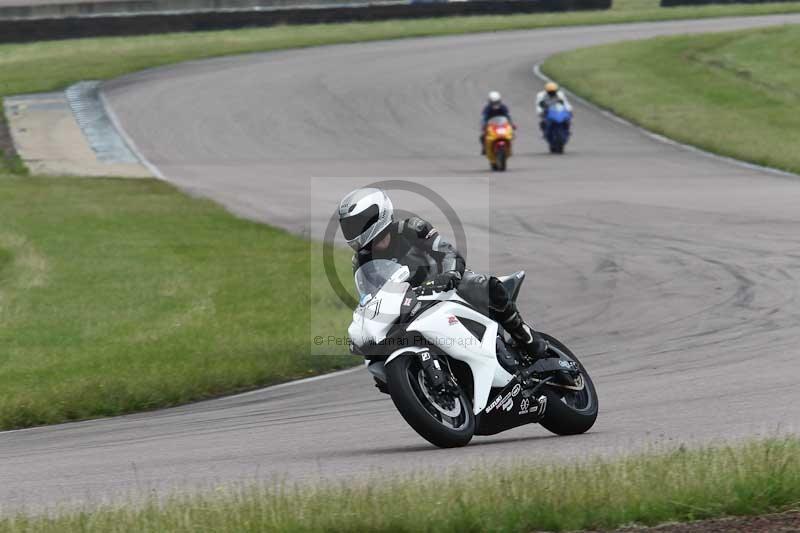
(441, 326)
(498, 129)
(509, 408)
(373, 319)
(558, 113)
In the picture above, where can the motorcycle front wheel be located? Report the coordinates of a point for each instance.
(556, 142)
(444, 420)
(500, 157)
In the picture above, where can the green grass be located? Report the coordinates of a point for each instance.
(9, 161)
(124, 295)
(48, 66)
(748, 479)
(734, 94)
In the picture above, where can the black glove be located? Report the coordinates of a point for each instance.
(442, 282)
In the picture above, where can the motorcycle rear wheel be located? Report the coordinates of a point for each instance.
(569, 412)
(421, 410)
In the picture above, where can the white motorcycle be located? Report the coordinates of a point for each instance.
(452, 371)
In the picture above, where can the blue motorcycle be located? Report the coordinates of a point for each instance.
(556, 127)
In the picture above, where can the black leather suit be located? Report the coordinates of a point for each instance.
(416, 244)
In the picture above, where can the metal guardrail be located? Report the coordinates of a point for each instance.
(674, 3)
(165, 7)
(120, 24)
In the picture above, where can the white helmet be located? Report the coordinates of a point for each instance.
(494, 97)
(363, 215)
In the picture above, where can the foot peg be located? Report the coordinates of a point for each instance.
(538, 348)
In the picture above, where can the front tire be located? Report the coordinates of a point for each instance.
(569, 412)
(408, 391)
(500, 157)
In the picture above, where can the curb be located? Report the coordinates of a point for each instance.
(92, 118)
(115, 122)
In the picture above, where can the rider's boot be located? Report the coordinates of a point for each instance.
(531, 343)
(483, 145)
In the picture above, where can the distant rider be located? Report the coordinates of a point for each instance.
(549, 96)
(366, 217)
(493, 108)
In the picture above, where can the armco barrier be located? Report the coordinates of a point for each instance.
(94, 8)
(28, 30)
(674, 3)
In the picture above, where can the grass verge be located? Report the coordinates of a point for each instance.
(48, 66)
(734, 94)
(748, 479)
(124, 295)
(9, 160)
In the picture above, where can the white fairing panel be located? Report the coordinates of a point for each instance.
(373, 320)
(441, 327)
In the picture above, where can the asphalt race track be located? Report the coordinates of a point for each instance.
(674, 275)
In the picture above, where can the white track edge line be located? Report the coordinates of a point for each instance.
(152, 168)
(95, 421)
(295, 382)
(661, 138)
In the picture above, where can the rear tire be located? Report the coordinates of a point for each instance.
(560, 417)
(407, 397)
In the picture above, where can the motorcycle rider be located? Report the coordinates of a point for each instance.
(551, 94)
(493, 108)
(366, 217)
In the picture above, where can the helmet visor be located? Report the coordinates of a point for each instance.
(355, 225)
